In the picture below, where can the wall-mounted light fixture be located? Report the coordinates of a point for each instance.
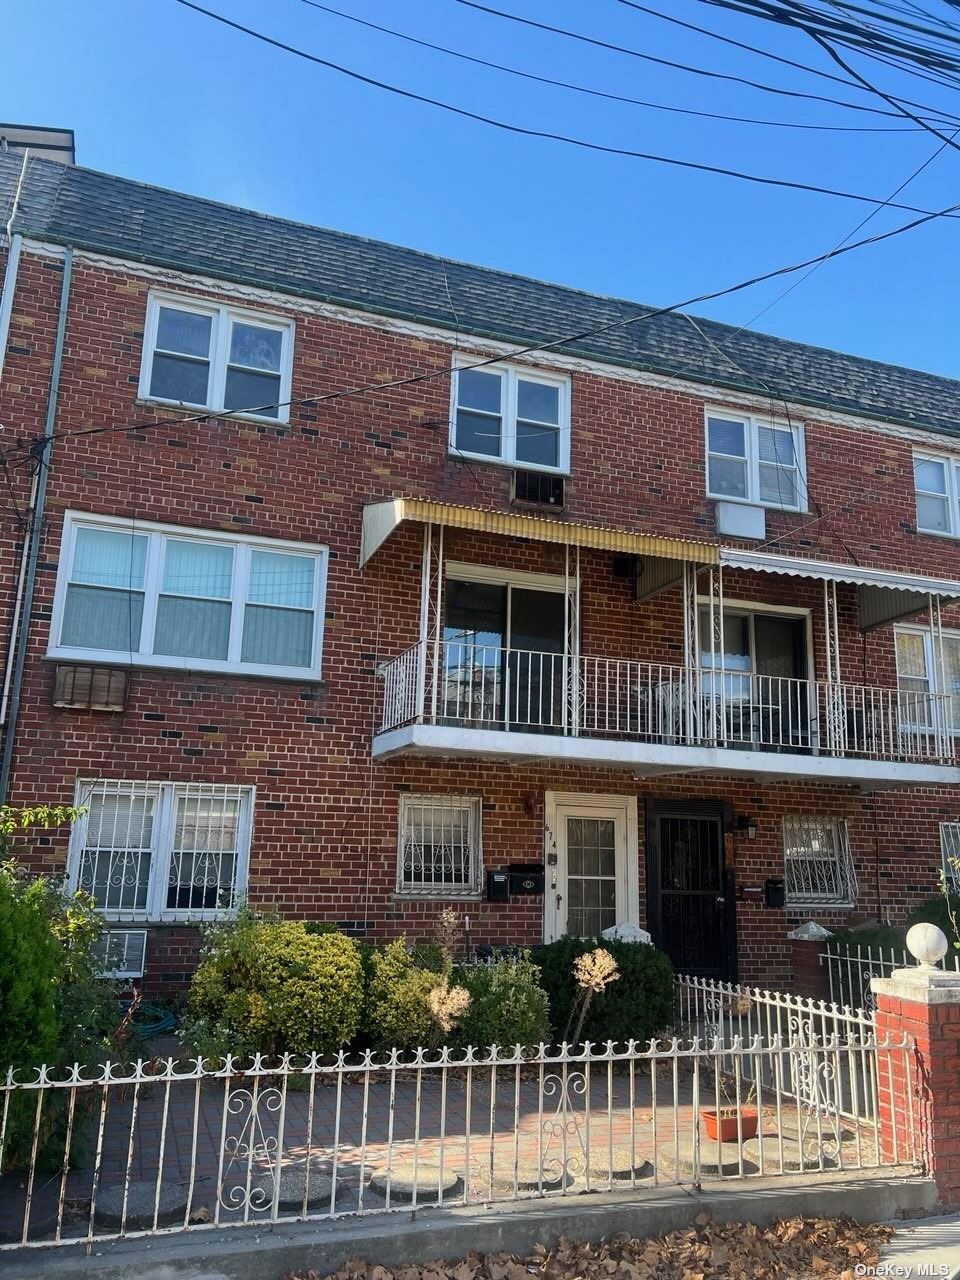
(747, 826)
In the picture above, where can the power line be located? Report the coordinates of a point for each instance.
(682, 66)
(539, 347)
(600, 93)
(674, 161)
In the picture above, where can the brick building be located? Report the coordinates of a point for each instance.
(660, 623)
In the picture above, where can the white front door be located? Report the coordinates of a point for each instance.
(592, 864)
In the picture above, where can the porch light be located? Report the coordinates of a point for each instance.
(747, 826)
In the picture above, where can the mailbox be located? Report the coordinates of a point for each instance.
(774, 892)
(498, 886)
(525, 878)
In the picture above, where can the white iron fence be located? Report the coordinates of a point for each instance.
(462, 683)
(850, 968)
(166, 1145)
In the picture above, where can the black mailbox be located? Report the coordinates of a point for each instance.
(498, 886)
(774, 892)
(525, 878)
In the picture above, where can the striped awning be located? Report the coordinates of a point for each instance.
(381, 519)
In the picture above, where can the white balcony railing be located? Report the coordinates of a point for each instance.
(467, 685)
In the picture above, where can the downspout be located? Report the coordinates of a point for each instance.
(15, 246)
(42, 455)
(14, 249)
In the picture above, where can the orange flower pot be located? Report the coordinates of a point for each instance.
(724, 1123)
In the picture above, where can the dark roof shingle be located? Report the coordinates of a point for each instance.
(112, 215)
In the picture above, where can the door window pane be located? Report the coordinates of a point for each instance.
(591, 876)
(913, 679)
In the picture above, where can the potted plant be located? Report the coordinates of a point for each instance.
(735, 1121)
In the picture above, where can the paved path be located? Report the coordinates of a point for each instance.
(923, 1248)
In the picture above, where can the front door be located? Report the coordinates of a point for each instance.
(690, 893)
(592, 869)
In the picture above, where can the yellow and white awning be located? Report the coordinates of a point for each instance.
(381, 519)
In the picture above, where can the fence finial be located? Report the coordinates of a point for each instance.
(927, 944)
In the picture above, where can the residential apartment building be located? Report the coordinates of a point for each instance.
(331, 577)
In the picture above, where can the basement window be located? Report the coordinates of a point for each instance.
(439, 846)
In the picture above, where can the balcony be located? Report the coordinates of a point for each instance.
(450, 698)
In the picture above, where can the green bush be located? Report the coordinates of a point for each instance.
(508, 1006)
(397, 1012)
(269, 986)
(934, 910)
(638, 1006)
(53, 1008)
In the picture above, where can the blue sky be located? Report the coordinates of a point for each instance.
(162, 94)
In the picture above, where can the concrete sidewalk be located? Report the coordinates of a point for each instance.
(923, 1247)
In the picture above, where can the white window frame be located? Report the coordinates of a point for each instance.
(751, 426)
(243, 546)
(846, 873)
(161, 850)
(951, 467)
(937, 695)
(508, 438)
(950, 848)
(222, 316)
(474, 807)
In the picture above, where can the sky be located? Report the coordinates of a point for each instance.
(165, 95)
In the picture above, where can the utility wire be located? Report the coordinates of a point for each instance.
(682, 66)
(508, 127)
(600, 93)
(554, 344)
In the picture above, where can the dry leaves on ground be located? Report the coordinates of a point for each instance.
(791, 1249)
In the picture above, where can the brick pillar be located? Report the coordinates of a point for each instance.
(924, 1004)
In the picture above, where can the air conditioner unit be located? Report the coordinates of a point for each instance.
(90, 688)
(538, 488)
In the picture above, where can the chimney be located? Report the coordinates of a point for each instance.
(52, 144)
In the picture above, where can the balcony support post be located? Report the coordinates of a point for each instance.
(571, 618)
(940, 717)
(431, 619)
(690, 702)
(835, 708)
(718, 692)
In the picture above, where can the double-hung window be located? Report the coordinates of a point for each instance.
(817, 863)
(216, 357)
(163, 596)
(511, 415)
(916, 669)
(936, 481)
(755, 461)
(439, 846)
(161, 850)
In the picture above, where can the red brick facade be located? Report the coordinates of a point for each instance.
(325, 824)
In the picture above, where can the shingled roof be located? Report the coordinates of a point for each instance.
(115, 216)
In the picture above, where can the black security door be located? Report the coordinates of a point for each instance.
(690, 894)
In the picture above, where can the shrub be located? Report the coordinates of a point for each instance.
(638, 1006)
(398, 1013)
(508, 1006)
(53, 1008)
(269, 986)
